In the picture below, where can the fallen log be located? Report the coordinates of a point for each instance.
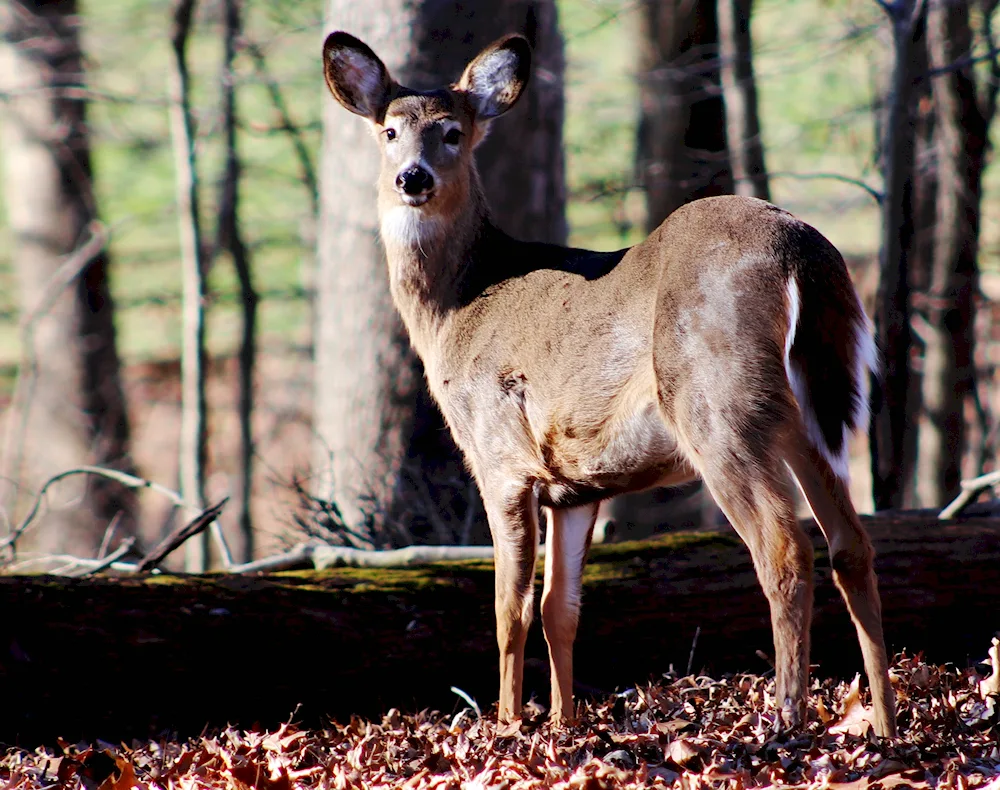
(135, 656)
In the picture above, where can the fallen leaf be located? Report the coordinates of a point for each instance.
(857, 719)
(992, 684)
(683, 753)
(125, 780)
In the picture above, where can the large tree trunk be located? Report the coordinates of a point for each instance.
(961, 136)
(75, 413)
(892, 310)
(682, 153)
(383, 453)
(739, 91)
(361, 641)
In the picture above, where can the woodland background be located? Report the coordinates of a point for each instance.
(161, 157)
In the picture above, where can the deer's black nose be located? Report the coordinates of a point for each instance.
(415, 181)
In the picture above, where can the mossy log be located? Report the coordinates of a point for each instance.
(131, 657)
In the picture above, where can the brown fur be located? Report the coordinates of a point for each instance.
(569, 376)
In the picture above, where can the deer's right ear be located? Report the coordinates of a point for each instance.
(355, 76)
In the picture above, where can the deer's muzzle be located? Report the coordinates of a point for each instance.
(415, 184)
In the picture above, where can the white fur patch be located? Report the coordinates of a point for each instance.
(408, 226)
(837, 462)
(866, 361)
(573, 526)
(491, 80)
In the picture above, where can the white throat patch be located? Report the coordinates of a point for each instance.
(407, 226)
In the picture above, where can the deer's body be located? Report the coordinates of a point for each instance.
(730, 344)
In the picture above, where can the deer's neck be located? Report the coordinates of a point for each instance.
(430, 253)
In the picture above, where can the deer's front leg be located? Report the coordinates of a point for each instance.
(513, 517)
(566, 545)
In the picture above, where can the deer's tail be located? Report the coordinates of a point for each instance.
(830, 355)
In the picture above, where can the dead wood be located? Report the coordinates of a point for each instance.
(123, 657)
(179, 536)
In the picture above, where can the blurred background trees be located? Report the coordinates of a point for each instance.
(69, 408)
(316, 416)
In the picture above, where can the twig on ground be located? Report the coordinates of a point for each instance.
(970, 490)
(105, 562)
(109, 535)
(78, 566)
(323, 557)
(177, 538)
(694, 644)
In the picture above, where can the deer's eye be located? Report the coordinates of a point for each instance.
(452, 136)
(390, 134)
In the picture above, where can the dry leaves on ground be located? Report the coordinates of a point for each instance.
(686, 733)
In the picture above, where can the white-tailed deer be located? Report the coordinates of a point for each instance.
(730, 344)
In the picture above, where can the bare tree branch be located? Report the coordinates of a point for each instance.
(971, 489)
(288, 125)
(175, 539)
(857, 182)
(103, 563)
(127, 480)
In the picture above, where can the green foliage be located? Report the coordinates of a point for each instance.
(817, 67)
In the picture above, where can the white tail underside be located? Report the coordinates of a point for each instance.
(866, 362)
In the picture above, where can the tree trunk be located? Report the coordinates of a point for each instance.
(76, 413)
(892, 311)
(193, 439)
(230, 238)
(961, 136)
(739, 92)
(682, 153)
(361, 641)
(384, 456)
(925, 189)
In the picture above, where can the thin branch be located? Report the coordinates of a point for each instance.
(971, 489)
(109, 535)
(287, 124)
(127, 480)
(103, 563)
(178, 537)
(857, 182)
(75, 566)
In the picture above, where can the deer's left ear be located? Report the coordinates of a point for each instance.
(495, 80)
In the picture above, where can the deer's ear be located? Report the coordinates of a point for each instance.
(495, 80)
(355, 76)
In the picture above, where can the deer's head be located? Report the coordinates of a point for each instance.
(426, 138)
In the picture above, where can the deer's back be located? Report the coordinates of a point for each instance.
(550, 364)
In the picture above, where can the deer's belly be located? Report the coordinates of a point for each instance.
(629, 451)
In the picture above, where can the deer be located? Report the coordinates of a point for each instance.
(729, 345)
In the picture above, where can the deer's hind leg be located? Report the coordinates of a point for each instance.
(852, 557)
(756, 499)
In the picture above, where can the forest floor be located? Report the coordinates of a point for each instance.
(685, 732)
